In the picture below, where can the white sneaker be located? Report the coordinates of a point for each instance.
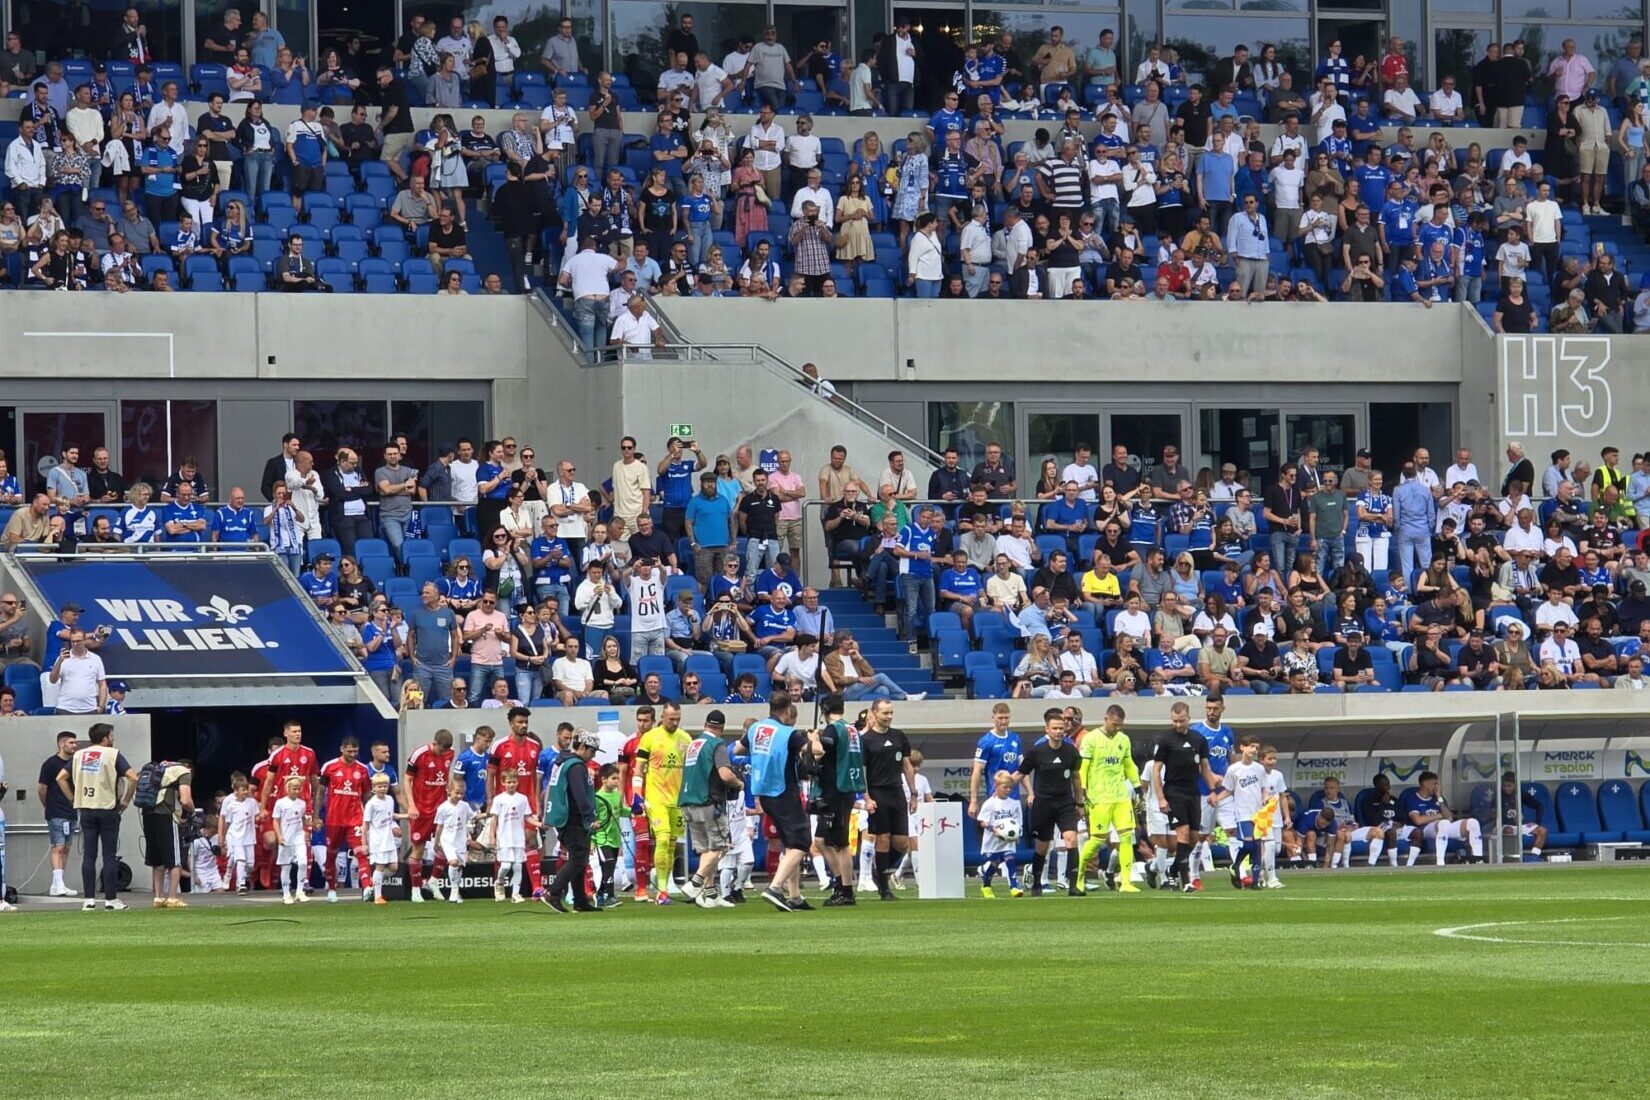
(286, 899)
(302, 896)
(916, 696)
(88, 906)
(62, 892)
(332, 897)
(366, 893)
(516, 899)
(417, 894)
(692, 891)
(455, 899)
(116, 905)
(6, 906)
(722, 903)
(498, 893)
(703, 900)
(865, 886)
(1274, 883)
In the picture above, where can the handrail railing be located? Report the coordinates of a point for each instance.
(759, 356)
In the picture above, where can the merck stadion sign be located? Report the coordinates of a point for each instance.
(186, 616)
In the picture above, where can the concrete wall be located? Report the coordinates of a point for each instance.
(943, 341)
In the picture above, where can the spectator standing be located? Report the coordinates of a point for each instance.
(1512, 76)
(433, 642)
(59, 810)
(82, 684)
(92, 782)
(898, 62)
(773, 74)
(1593, 146)
(1571, 72)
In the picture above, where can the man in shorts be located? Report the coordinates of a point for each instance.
(775, 747)
(1108, 779)
(1048, 776)
(163, 847)
(888, 775)
(1183, 759)
(424, 789)
(1221, 742)
(708, 780)
(660, 757)
(60, 816)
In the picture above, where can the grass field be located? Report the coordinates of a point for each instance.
(1337, 986)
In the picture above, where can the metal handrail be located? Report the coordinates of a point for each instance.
(760, 356)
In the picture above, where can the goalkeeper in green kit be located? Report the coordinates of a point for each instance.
(1107, 779)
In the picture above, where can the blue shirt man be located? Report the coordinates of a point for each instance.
(320, 581)
(1414, 512)
(999, 750)
(1365, 128)
(1143, 525)
(1398, 222)
(1404, 287)
(708, 515)
(1339, 148)
(235, 522)
(770, 620)
(472, 767)
(1220, 738)
(1214, 176)
(1434, 230)
(1434, 266)
(676, 482)
(1469, 246)
(432, 630)
(947, 119)
(917, 538)
(307, 139)
(553, 572)
(961, 582)
(1373, 180)
(181, 512)
(779, 577)
(951, 172)
(1246, 233)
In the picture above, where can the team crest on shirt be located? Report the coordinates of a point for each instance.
(693, 752)
(1066, 774)
(898, 755)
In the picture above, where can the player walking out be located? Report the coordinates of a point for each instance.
(518, 754)
(346, 781)
(775, 747)
(292, 821)
(1048, 775)
(1216, 815)
(238, 830)
(657, 781)
(423, 790)
(641, 838)
(510, 820)
(888, 775)
(1183, 759)
(707, 780)
(1108, 781)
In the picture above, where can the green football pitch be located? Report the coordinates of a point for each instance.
(1504, 984)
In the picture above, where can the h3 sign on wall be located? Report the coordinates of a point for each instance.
(1555, 388)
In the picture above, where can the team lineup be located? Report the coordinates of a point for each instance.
(841, 797)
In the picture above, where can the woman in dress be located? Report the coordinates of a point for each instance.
(1561, 158)
(911, 197)
(853, 224)
(127, 130)
(749, 214)
(448, 174)
(870, 164)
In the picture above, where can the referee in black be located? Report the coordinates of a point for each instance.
(1182, 757)
(1048, 773)
(887, 762)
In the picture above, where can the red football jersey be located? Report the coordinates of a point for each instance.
(522, 758)
(427, 772)
(289, 761)
(259, 770)
(346, 787)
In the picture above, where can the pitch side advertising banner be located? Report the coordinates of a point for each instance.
(169, 616)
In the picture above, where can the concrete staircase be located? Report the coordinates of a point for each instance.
(880, 643)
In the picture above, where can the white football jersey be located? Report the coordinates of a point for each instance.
(378, 818)
(453, 821)
(240, 822)
(289, 821)
(993, 811)
(1247, 782)
(509, 820)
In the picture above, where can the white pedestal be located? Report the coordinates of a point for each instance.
(940, 833)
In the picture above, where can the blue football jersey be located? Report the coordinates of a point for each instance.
(472, 766)
(999, 754)
(1220, 749)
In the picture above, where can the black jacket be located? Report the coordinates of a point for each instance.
(1019, 283)
(274, 470)
(333, 486)
(888, 63)
(513, 203)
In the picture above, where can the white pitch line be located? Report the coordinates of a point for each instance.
(1464, 932)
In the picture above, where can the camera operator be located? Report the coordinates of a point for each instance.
(811, 241)
(726, 631)
(841, 779)
(295, 271)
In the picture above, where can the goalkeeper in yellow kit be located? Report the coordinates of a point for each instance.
(1108, 777)
(660, 755)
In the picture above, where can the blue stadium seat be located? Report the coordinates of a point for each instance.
(1619, 810)
(465, 548)
(401, 591)
(951, 649)
(316, 547)
(1578, 812)
(380, 567)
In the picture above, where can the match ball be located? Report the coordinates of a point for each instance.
(1006, 830)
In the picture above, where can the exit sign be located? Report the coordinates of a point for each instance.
(682, 431)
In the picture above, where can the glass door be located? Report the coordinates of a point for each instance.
(1247, 440)
(1455, 50)
(1360, 35)
(1334, 434)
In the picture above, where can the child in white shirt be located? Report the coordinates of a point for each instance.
(452, 826)
(204, 876)
(997, 852)
(291, 818)
(383, 835)
(238, 831)
(509, 816)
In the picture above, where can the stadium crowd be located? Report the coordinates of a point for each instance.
(112, 183)
(487, 579)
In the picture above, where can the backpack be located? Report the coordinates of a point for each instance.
(151, 784)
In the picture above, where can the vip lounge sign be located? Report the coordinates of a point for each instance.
(180, 616)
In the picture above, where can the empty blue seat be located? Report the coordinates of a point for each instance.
(1619, 811)
(1578, 813)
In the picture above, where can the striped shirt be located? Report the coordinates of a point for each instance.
(1065, 183)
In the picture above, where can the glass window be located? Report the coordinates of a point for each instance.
(427, 424)
(1331, 433)
(1544, 41)
(802, 27)
(324, 426)
(969, 426)
(1144, 28)
(209, 23)
(532, 22)
(292, 20)
(1080, 30)
(56, 29)
(1481, 7)
(1406, 19)
(1607, 9)
(1056, 435)
(1246, 438)
(1202, 40)
(640, 28)
(157, 435)
(47, 432)
(1455, 50)
(590, 33)
(1358, 37)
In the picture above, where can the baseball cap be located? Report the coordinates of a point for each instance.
(584, 739)
(117, 685)
(783, 559)
(1258, 629)
(1363, 452)
(716, 718)
(324, 558)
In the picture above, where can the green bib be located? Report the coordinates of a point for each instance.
(850, 761)
(697, 770)
(557, 815)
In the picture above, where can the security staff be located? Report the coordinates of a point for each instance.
(92, 782)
